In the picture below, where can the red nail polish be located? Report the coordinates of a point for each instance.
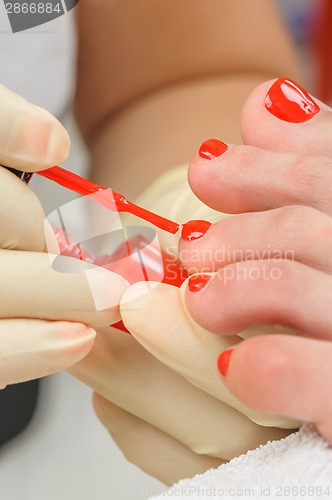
(224, 360)
(197, 283)
(290, 102)
(109, 199)
(194, 229)
(136, 259)
(211, 149)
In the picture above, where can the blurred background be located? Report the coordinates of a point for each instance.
(310, 23)
(65, 453)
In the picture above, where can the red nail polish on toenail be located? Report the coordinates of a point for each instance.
(211, 149)
(194, 229)
(290, 102)
(198, 282)
(224, 360)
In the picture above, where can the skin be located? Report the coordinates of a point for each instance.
(133, 68)
(290, 375)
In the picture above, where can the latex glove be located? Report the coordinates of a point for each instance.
(159, 389)
(33, 294)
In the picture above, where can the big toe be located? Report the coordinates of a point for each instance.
(281, 115)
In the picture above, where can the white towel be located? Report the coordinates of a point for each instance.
(298, 466)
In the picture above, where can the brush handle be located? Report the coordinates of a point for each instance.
(106, 197)
(24, 176)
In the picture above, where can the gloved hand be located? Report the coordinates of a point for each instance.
(159, 388)
(43, 313)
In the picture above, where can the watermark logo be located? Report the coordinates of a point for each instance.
(103, 246)
(24, 15)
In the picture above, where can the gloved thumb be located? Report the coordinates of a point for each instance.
(31, 138)
(34, 348)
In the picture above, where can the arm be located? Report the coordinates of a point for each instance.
(153, 77)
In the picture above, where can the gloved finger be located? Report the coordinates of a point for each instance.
(262, 293)
(152, 450)
(284, 374)
(31, 138)
(124, 372)
(21, 215)
(160, 322)
(33, 285)
(33, 348)
(296, 233)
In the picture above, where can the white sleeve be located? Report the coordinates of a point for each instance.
(39, 63)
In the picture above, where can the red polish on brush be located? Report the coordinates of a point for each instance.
(135, 260)
(126, 259)
(109, 199)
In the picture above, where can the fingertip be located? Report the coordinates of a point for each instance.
(52, 144)
(59, 148)
(135, 305)
(31, 138)
(84, 347)
(51, 346)
(106, 288)
(22, 222)
(154, 316)
(78, 339)
(136, 291)
(75, 330)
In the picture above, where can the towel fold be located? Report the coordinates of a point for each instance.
(298, 466)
